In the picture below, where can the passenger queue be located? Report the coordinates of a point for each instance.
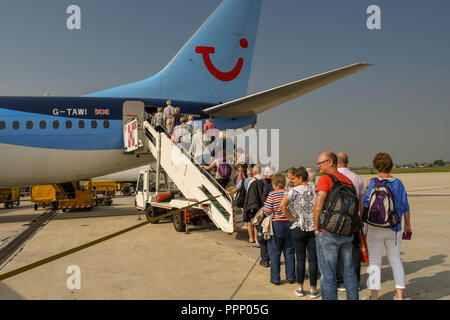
(300, 219)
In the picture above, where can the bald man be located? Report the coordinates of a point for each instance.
(360, 192)
(356, 180)
(332, 248)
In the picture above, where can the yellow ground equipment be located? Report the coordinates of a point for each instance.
(104, 187)
(10, 197)
(70, 195)
(103, 191)
(45, 195)
(78, 195)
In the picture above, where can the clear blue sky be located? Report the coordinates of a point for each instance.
(400, 105)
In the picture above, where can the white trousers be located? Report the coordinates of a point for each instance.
(377, 239)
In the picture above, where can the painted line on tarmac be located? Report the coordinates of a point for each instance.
(93, 243)
(245, 278)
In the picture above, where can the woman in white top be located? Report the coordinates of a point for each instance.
(297, 206)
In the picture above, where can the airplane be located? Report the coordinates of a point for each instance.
(45, 140)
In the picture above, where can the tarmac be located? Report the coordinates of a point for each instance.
(156, 262)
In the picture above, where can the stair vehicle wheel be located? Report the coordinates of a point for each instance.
(150, 213)
(178, 222)
(35, 207)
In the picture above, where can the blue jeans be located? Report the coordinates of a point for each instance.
(331, 250)
(281, 242)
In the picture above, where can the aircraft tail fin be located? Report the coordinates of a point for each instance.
(213, 66)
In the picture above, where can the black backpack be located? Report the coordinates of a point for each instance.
(240, 196)
(340, 213)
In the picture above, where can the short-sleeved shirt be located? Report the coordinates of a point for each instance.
(246, 182)
(182, 133)
(158, 119)
(325, 182)
(208, 125)
(272, 205)
(168, 112)
(197, 144)
(302, 200)
(358, 183)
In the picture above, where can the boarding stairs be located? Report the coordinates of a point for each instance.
(194, 183)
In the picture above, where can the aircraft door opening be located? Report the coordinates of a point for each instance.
(133, 110)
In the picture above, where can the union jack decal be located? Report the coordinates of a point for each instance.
(103, 112)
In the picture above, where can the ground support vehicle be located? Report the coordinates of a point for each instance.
(102, 199)
(77, 195)
(179, 182)
(166, 200)
(10, 197)
(103, 187)
(45, 196)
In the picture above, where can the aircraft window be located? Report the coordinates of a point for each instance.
(69, 124)
(2, 125)
(16, 125)
(42, 124)
(29, 124)
(106, 124)
(81, 124)
(94, 124)
(55, 124)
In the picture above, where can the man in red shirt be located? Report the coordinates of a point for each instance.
(332, 248)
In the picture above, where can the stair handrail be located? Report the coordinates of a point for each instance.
(203, 171)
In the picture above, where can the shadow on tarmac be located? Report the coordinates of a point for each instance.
(421, 288)
(7, 293)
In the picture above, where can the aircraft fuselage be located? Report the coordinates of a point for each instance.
(59, 139)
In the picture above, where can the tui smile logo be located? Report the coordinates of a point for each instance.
(220, 75)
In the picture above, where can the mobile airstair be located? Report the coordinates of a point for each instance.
(193, 183)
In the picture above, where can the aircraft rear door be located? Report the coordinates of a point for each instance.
(133, 110)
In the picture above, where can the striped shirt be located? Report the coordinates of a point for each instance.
(272, 205)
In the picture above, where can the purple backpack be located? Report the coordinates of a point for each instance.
(224, 169)
(381, 211)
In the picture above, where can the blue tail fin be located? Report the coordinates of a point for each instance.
(212, 67)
